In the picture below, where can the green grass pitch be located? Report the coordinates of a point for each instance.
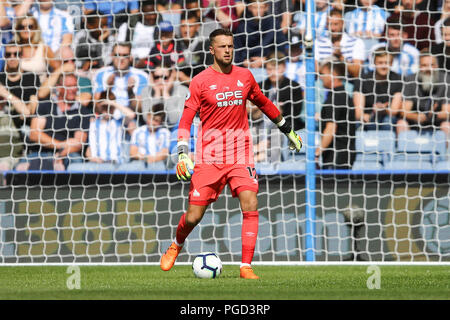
(277, 282)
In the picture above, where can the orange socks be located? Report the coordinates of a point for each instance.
(183, 230)
(249, 235)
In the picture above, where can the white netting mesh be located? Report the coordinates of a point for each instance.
(86, 180)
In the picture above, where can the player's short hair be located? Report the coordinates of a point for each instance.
(219, 32)
(101, 107)
(396, 25)
(63, 76)
(425, 52)
(335, 66)
(93, 17)
(158, 111)
(380, 52)
(335, 12)
(122, 44)
(275, 58)
(107, 95)
(13, 43)
(188, 15)
(148, 3)
(165, 63)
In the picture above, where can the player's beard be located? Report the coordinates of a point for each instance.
(10, 69)
(336, 36)
(427, 80)
(223, 64)
(394, 51)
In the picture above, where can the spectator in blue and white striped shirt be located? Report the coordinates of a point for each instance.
(118, 11)
(126, 82)
(106, 133)
(150, 143)
(405, 56)
(340, 45)
(56, 25)
(321, 14)
(367, 21)
(296, 67)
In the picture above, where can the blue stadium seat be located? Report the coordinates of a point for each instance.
(414, 142)
(418, 151)
(138, 166)
(374, 141)
(364, 164)
(443, 165)
(408, 165)
(265, 168)
(440, 141)
(373, 149)
(424, 149)
(292, 165)
(91, 167)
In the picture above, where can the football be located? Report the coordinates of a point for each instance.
(207, 265)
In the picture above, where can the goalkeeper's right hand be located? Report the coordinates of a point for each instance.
(184, 167)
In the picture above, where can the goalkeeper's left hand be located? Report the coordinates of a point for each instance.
(295, 142)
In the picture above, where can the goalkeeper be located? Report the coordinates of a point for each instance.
(224, 148)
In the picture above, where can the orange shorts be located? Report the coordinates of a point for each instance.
(208, 181)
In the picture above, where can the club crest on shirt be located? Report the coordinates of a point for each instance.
(239, 83)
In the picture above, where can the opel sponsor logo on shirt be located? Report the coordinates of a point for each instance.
(223, 98)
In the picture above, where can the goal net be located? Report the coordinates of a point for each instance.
(92, 92)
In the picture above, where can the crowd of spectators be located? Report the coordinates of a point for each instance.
(96, 85)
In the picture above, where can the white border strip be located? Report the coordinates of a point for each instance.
(258, 263)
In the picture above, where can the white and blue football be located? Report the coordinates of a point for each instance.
(207, 266)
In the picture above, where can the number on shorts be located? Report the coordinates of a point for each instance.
(251, 172)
